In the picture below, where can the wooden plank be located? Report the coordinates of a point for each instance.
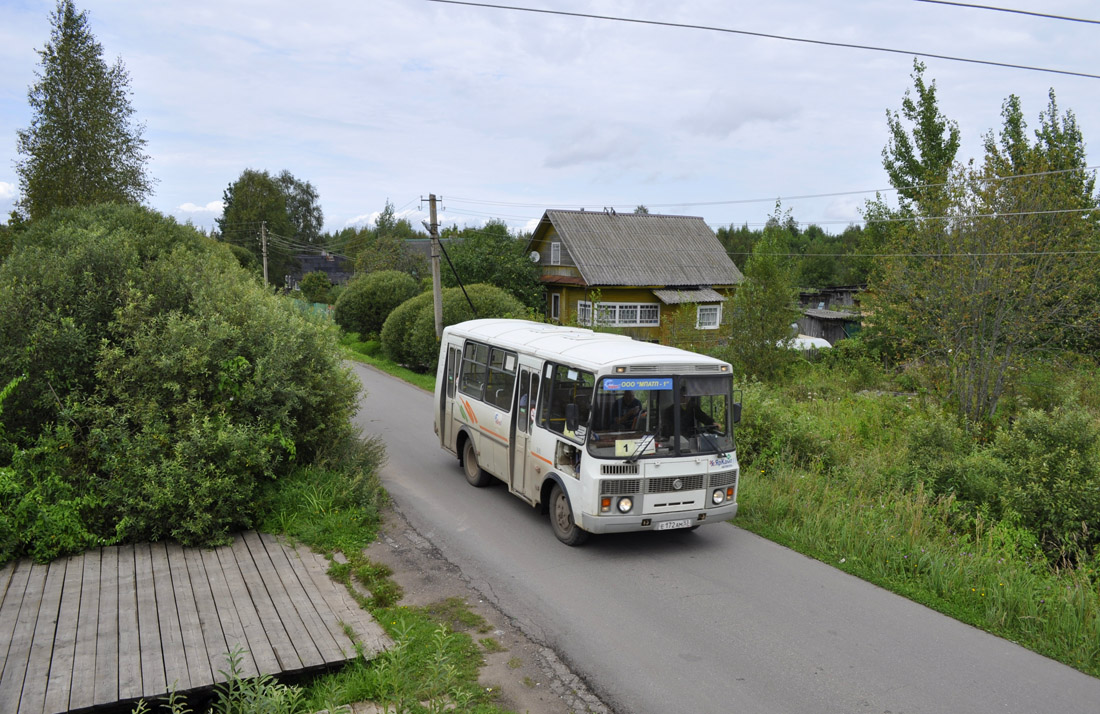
(171, 637)
(300, 588)
(231, 625)
(64, 641)
(6, 573)
(129, 648)
(337, 601)
(152, 660)
(194, 646)
(289, 615)
(343, 607)
(11, 680)
(38, 662)
(105, 690)
(256, 637)
(9, 608)
(87, 627)
(206, 608)
(276, 633)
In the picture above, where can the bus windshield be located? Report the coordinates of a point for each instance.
(636, 418)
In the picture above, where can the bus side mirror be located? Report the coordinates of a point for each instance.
(571, 417)
(737, 412)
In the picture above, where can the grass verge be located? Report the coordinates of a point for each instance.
(829, 473)
(370, 352)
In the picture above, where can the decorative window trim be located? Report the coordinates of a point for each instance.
(555, 253)
(620, 314)
(711, 323)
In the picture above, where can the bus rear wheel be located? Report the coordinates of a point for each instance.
(561, 519)
(475, 475)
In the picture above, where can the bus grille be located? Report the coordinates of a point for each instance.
(619, 487)
(669, 484)
(724, 478)
(619, 469)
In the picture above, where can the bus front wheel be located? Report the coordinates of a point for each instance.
(561, 519)
(476, 475)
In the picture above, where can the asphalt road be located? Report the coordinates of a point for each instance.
(716, 620)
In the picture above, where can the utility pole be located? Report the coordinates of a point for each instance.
(263, 247)
(437, 289)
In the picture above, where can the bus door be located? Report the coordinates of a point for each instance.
(526, 396)
(447, 396)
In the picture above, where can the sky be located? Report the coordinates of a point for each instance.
(505, 113)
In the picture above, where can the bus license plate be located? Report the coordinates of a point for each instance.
(669, 525)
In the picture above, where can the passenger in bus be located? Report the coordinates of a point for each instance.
(625, 410)
(692, 417)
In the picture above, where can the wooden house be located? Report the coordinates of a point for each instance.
(657, 278)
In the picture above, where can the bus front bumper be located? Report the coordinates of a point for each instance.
(656, 521)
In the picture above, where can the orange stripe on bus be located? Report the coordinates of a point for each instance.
(470, 411)
(493, 433)
(542, 458)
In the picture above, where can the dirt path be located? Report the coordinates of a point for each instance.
(531, 677)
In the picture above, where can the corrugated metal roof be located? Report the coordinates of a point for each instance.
(642, 249)
(831, 314)
(676, 297)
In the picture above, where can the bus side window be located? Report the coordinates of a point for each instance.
(474, 365)
(502, 379)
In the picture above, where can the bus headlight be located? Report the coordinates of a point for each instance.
(718, 496)
(625, 504)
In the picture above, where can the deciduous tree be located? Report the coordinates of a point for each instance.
(1008, 272)
(490, 254)
(764, 304)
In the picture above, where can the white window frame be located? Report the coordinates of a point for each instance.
(555, 253)
(715, 309)
(620, 314)
(555, 306)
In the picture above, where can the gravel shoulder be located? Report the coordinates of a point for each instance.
(531, 678)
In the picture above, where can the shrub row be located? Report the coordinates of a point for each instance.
(158, 383)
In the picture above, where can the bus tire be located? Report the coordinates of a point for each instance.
(561, 519)
(475, 475)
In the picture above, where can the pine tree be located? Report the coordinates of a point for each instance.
(82, 146)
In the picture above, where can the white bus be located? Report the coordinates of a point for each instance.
(605, 433)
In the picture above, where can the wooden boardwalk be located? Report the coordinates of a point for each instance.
(124, 622)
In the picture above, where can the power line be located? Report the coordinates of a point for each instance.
(1006, 9)
(766, 35)
(770, 199)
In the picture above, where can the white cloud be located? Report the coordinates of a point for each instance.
(212, 207)
(7, 190)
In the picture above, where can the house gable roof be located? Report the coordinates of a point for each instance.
(641, 249)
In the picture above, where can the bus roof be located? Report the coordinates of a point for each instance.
(581, 347)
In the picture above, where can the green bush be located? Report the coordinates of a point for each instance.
(162, 383)
(396, 329)
(408, 337)
(1053, 477)
(368, 300)
(315, 287)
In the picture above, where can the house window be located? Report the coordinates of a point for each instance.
(555, 306)
(620, 314)
(555, 253)
(584, 313)
(708, 317)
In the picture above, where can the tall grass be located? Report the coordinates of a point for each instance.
(829, 472)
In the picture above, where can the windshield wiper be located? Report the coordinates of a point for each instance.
(712, 442)
(641, 445)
